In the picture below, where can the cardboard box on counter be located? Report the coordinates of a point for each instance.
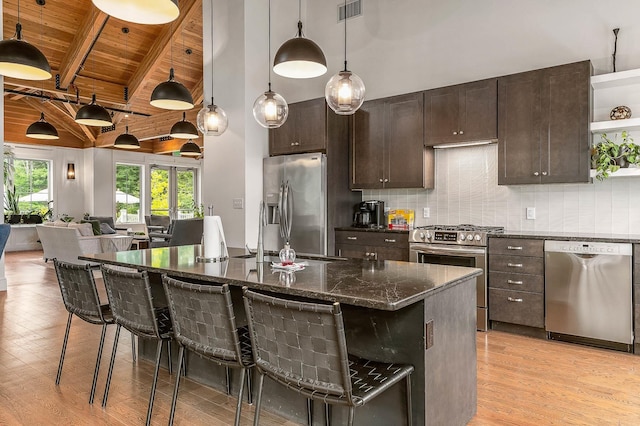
(400, 219)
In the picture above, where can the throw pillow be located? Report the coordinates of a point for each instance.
(95, 224)
(60, 223)
(84, 229)
(106, 229)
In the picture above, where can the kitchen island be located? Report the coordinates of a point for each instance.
(420, 314)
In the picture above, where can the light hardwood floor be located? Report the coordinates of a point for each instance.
(521, 381)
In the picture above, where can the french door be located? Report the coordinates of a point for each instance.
(173, 191)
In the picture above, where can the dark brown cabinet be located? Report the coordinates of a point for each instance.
(516, 281)
(461, 113)
(372, 245)
(304, 131)
(388, 145)
(543, 125)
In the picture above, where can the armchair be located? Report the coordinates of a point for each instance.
(181, 232)
(156, 223)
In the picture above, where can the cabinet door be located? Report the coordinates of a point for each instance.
(478, 111)
(565, 154)
(311, 126)
(441, 112)
(367, 146)
(519, 128)
(404, 142)
(282, 140)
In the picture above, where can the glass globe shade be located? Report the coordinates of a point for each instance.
(212, 120)
(344, 93)
(270, 110)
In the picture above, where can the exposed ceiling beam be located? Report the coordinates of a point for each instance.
(161, 47)
(71, 111)
(80, 46)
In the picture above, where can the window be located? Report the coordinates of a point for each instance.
(128, 185)
(27, 187)
(173, 191)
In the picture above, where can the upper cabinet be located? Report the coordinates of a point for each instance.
(304, 131)
(387, 145)
(543, 125)
(461, 113)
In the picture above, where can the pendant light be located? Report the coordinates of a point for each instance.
(183, 129)
(149, 12)
(190, 149)
(299, 57)
(171, 94)
(344, 92)
(20, 59)
(42, 130)
(126, 140)
(212, 120)
(270, 109)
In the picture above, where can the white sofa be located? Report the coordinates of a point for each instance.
(67, 243)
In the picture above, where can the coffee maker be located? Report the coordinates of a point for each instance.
(369, 214)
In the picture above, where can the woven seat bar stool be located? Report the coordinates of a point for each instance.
(204, 323)
(132, 306)
(80, 297)
(303, 347)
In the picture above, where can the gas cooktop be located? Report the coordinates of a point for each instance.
(464, 234)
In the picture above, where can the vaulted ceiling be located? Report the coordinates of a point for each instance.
(89, 52)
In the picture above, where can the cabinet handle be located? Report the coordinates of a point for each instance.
(352, 238)
(536, 174)
(511, 299)
(544, 173)
(514, 282)
(388, 240)
(339, 252)
(514, 248)
(381, 180)
(455, 133)
(514, 265)
(461, 132)
(386, 180)
(293, 144)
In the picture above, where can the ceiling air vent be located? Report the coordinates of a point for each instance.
(349, 10)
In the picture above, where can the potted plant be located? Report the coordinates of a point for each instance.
(609, 156)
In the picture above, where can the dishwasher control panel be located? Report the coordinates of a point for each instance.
(588, 247)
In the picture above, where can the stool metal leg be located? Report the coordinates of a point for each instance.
(227, 373)
(95, 371)
(169, 364)
(249, 388)
(152, 396)
(110, 373)
(409, 408)
(327, 414)
(351, 414)
(64, 349)
(309, 411)
(133, 347)
(177, 385)
(243, 374)
(256, 417)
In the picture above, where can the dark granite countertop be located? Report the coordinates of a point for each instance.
(570, 236)
(353, 228)
(384, 285)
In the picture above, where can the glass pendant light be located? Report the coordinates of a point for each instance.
(19, 59)
(212, 120)
(183, 129)
(126, 140)
(149, 12)
(270, 109)
(344, 92)
(190, 149)
(299, 57)
(42, 130)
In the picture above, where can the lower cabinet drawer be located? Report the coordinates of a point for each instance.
(516, 307)
(518, 282)
(372, 253)
(516, 264)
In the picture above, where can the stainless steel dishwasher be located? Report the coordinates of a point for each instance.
(588, 296)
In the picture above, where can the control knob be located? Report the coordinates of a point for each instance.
(477, 237)
(428, 235)
(470, 237)
(461, 236)
(422, 236)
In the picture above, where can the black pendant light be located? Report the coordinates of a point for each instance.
(183, 129)
(140, 11)
(171, 95)
(42, 130)
(270, 109)
(299, 57)
(126, 140)
(20, 59)
(190, 149)
(93, 115)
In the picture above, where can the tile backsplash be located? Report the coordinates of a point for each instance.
(467, 191)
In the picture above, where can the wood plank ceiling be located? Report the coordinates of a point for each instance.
(90, 53)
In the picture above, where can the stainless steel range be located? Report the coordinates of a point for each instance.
(457, 245)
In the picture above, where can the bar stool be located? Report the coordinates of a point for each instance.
(132, 306)
(80, 297)
(303, 347)
(204, 323)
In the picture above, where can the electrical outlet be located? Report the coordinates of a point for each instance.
(426, 212)
(238, 203)
(531, 213)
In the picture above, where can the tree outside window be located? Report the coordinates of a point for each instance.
(128, 185)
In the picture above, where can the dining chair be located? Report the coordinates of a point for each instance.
(303, 347)
(131, 301)
(80, 297)
(204, 323)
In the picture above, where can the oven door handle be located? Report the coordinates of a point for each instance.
(443, 249)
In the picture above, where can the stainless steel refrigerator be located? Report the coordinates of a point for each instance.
(306, 177)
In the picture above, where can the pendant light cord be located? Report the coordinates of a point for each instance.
(345, 35)
(213, 54)
(269, 50)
